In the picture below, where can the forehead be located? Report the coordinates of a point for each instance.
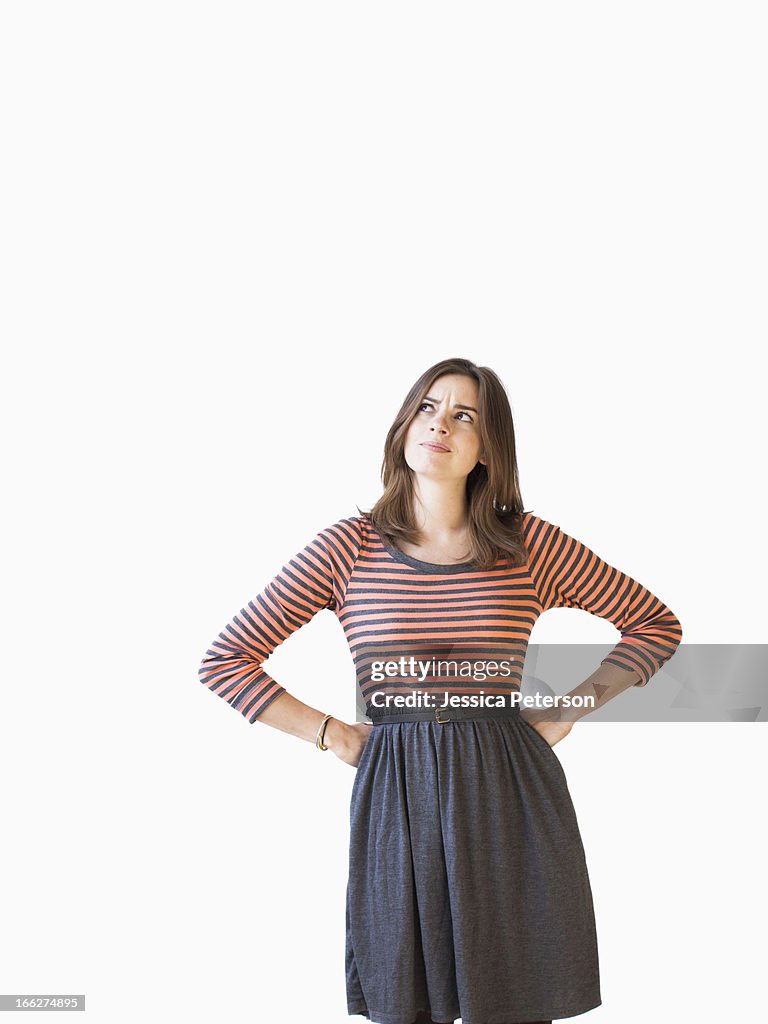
(453, 386)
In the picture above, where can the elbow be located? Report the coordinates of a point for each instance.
(673, 631)
(677, 630)
(209, 664)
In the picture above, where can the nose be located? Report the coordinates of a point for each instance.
(438, 423)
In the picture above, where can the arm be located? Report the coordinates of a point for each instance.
(313, 580)
(288, 714)
(568, 574)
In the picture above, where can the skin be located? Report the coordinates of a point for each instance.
(440, 478)
(440, 510)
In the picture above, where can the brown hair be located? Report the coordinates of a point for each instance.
(492, 532)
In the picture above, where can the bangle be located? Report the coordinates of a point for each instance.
(321, 734)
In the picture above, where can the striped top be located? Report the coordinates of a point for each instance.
(391, 605)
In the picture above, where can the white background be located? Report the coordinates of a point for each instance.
(233, 235)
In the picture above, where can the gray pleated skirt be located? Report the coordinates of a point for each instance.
(468, 891)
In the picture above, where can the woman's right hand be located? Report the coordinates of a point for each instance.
(347, 740)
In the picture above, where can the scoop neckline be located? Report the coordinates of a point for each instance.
(417, 563)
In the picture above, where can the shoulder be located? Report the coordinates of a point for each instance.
(537, 529)
(343, 538)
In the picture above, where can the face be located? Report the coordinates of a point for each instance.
(448, 419)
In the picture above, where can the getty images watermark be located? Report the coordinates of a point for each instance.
(699, 683)
(408, 666)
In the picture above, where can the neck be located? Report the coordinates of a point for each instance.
(440, 507)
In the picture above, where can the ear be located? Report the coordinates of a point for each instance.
(481, 458)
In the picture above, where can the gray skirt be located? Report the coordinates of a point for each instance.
(468, 891)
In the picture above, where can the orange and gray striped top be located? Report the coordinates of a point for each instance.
(391, 604)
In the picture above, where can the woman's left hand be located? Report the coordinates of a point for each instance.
(552, 732)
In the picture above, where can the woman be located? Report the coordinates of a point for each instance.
(468, 892)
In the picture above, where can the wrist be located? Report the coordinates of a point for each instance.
(335, 734)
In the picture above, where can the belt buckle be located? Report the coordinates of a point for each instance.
(442, 721)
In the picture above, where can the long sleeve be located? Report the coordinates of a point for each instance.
(568, 574)
(314, 579)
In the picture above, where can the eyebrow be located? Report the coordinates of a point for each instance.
(428, 398)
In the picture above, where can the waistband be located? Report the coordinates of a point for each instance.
(442, 716)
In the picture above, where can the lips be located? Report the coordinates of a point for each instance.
(435, 447)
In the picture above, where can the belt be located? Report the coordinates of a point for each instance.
(442, 716)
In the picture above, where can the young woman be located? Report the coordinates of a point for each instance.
(468, 892)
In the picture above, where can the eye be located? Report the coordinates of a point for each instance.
(461, 412)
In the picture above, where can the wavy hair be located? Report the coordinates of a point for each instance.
(493, 531)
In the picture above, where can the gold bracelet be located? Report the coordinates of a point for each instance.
(321, 734)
